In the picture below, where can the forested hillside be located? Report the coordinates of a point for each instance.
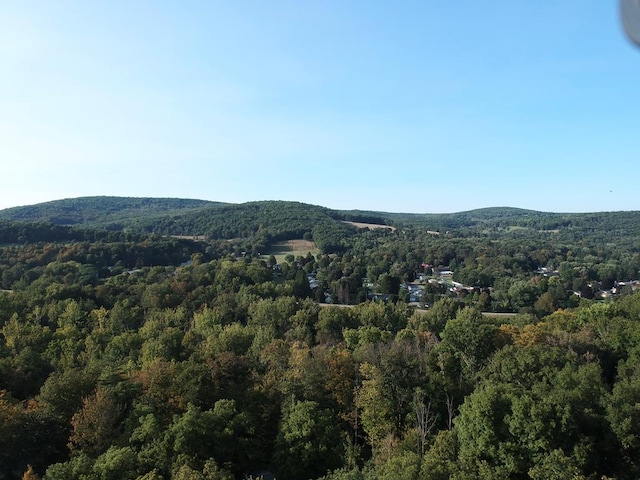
(278, 220)
(498, 348)
(101, 211)
(262, 223)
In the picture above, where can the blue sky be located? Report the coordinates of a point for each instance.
(404, 106)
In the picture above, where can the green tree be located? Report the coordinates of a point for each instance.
(471, 337)
(623, 410)
(301, 288)
(117, 463)
(11, 418)
(308, 442)
(511, 427)
(389, 284)
(440, 461)
(376, 406)
(440, 313)
(556, 466)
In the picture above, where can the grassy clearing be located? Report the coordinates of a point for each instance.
(372, 226)
(292, 247)
(504, 316)
(195, 238)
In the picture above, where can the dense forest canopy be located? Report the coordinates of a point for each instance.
(101, 210)
(496, 343)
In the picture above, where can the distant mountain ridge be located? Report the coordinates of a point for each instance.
(178, 216)
(104, 209)
(270, 221)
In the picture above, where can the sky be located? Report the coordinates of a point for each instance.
(422, 106)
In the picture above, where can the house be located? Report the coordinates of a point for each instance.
(313, 281)
(547, 272)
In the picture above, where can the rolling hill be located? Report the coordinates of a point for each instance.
(101, 211)
(266, 222)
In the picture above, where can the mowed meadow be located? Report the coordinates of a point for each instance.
(293, 247)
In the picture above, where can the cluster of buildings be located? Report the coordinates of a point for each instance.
(596, 291)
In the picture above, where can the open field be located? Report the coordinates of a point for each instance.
(372, 226)
(292, 247)
(503, 315)
(195, 238)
